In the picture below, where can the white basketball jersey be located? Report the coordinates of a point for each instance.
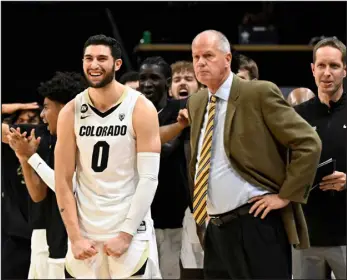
(106, 169)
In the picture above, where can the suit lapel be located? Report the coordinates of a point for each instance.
(231, 107)
(196, 129)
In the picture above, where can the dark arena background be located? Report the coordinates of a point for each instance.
(40, 38)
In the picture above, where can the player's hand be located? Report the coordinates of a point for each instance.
(22, 146)
(13, 107)
(118, 245)
(83, 249)
(183, 118)
(266, 203)
(335, 181)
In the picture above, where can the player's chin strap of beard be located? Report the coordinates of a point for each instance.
(148, 169)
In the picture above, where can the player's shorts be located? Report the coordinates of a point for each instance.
(192, 254)
(140, 261)
(56, 268)
(39, 255)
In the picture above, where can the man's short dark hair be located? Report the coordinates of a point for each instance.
(131, 76)
(158, 60)
(246, 63)
(63, 87)
(106, 41)
(331, 42)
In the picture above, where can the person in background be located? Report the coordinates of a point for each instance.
(299, 95)
(248, 69)
(20, 215)
(325, 211)
(130, 79)
(39, 170)
(184, 81)
(171, 198)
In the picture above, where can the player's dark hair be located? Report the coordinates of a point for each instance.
(106, 41)
(131, 76)
(158, 60)
(63, 87)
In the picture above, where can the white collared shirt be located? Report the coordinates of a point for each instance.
(227, 190)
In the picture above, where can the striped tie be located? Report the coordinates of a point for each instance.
(201, 181)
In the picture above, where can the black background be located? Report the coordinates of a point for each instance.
(39, 38)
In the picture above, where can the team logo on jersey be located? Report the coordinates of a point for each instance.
(142, 227)
(121, 116)
(84, 108)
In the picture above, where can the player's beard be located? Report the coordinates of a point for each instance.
(109, 77)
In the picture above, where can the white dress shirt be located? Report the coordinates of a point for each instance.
(227, 190)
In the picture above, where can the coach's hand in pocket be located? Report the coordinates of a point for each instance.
(83, 249)
(118, 245)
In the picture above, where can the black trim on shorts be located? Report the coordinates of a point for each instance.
(141, 271)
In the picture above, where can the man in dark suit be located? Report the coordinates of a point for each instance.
(243, 187)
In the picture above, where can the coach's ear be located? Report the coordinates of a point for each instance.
(117, 64)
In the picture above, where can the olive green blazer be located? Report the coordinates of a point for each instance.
(260, 128)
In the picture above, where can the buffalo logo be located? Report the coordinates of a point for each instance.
(121, 117)
(84, 108)
(142, 227)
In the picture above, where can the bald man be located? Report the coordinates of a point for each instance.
(243, 189)
(299, 95)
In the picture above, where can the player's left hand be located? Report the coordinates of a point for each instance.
(335, 181)
(118, 245)
(22, 146)
(266, 203)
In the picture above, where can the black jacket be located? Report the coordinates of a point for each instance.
(325, 212)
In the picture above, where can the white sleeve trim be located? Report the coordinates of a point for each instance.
(45, 172)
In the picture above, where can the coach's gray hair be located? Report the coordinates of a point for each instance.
(223, 42)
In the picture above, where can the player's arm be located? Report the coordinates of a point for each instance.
(169, 132)
(44, 171)
(64, 165)
(146, 127)
(24, 149)
(36, 187)
(13, 107)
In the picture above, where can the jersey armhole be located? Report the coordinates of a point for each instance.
(132, 108)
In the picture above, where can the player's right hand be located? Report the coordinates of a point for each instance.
(183, 118)
(83, 249)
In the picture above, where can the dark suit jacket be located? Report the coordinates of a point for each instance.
(260, 127)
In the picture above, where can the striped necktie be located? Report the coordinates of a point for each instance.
(201, 181)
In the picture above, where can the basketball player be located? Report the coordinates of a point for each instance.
(39, 175)
(110, 135)
(22, 224)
